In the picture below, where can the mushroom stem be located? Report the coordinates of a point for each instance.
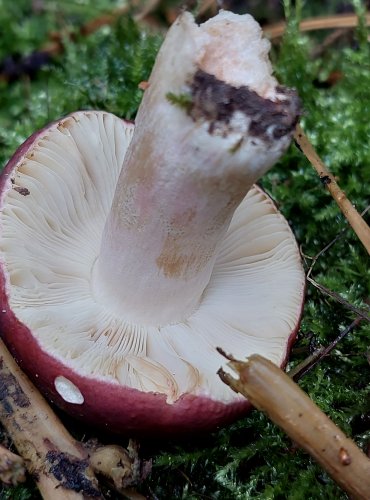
(270, 390)
(59, 463)
(211, 122)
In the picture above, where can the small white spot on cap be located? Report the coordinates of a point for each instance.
(68, 390)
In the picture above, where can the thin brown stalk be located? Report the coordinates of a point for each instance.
(270, 390)
(303, 368)
(357, 223)
(340, 235)
(317, 23)
(322, 251)
(362, 313)
(331, 39)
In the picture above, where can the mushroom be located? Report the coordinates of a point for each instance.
(130, 252)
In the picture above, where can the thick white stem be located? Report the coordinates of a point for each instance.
(189, 166)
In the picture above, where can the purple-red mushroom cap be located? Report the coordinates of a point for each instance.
(129, 253)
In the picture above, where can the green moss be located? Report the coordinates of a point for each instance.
(101, 71)
(252, 458)
(22, 492)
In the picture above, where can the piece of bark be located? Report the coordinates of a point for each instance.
(270, 390)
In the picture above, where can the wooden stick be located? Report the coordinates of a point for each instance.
(270, 390)
(63, 467)
(58, 462)
(358, 224)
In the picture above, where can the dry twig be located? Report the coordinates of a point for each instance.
(270, 390)
(362, 313)
(302, 368)
(62, 467)
(317, 23)
(358, 224)
(330, 40)
(141, 10)
(340, 235)
(58, 463)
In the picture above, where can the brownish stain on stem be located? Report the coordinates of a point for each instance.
(216, 102)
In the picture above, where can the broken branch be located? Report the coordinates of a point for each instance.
(270, 390)
(62, 467)
(58, 462)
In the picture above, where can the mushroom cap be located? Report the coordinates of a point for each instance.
(56, 193)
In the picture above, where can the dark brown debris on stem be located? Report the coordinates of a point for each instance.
(216, 102)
